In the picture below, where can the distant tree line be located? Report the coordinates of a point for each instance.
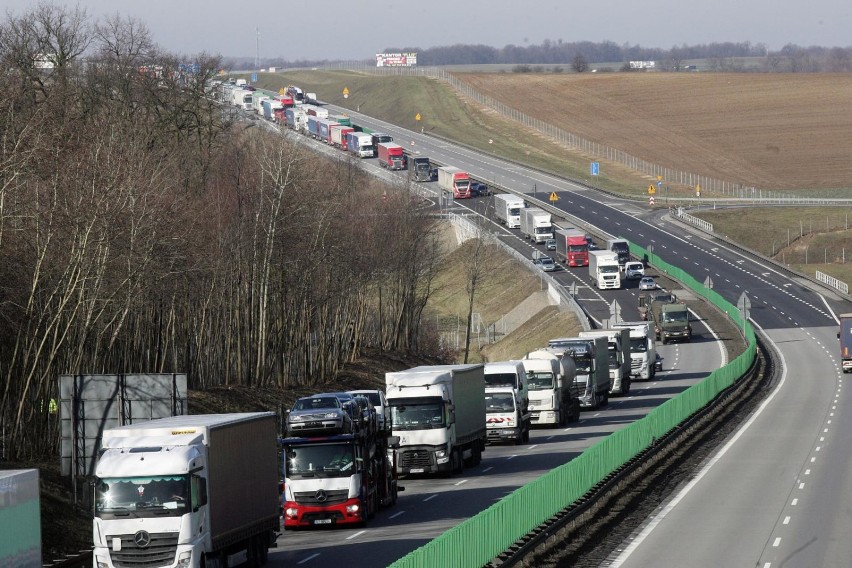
(142, 229)
(721, 56)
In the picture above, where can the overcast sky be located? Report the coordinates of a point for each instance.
(358, 29)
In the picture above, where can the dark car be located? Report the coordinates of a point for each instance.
(319, 414)
(478, 188)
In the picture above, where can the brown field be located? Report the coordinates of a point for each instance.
(771, 131)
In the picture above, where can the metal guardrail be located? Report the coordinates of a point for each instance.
(832, 281)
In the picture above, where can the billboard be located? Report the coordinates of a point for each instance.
(396, 59)
(642, 65)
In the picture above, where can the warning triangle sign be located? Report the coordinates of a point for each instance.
(553, 196)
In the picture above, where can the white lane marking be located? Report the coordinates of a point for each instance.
(807, 472)
(487, 469)
(777, 542)
(463, 481)
(532, 447)
(430, 497)
(395, 515)
(794, 502)
(625, 554)
(356, 535)
(311, 557)
(802, 485)
(786, 520)
(513, 456)
(813, 460)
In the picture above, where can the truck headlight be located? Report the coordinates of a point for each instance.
(185, 558)
(291, 512)
(352, 508)
(102, 563)
(441, 452)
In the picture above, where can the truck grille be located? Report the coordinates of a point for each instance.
(419, 458)
(636, 364)
(160, 551)
(330, 497)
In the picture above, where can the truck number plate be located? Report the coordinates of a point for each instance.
(322, 521)
(417, 470)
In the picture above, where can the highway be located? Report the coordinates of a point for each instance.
(430, 506)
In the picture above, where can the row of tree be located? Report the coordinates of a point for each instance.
(141, 230)
(722, 56)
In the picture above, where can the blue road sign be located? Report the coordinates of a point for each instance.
(596, 168)
(254, 77)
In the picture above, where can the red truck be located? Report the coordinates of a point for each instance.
(391, 156)
(572, 247)
(338, 135)
(286, 100)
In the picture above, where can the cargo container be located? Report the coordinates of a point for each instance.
(197, 490)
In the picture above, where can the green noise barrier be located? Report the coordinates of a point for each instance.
(479, 539)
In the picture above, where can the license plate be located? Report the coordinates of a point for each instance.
(322, 522)
(417, 470)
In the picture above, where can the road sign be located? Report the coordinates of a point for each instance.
(553, 196)
(281, 91)
(595, 168)
(708, 282)
(651, 190)
(744, 303)
(345, 92)
(659, 179)
(659, 184)
(254, 77)
(651, 200)
(417, 117)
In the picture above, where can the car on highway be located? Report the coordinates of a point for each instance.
(647, 283)
(550, 244)
(633, 270)
(478, 188)
(546, 263)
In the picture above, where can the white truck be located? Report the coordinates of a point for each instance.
(592, 361)
(505, 417)
(643, 348)
(20, 519)
(507, 209)
(618, 351)
(187, 491)
(536, 224)
(438, 413)
(360, 144)
(511, 374)
(604, 270)
(554, 396)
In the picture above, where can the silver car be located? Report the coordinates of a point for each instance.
(647, 283)
(322, 414)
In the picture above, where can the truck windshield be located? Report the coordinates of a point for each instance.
(514, 211)
(539, 381)
(417, 416)
(462, 184)
(157, 496)
(608, 269)
(320, 460)
(613, 357)
(638, 345)
(577, 248)
(499, 402)
(679, 316)
(501, 379)
(583, 363)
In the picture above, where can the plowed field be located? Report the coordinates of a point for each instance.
(771, 131)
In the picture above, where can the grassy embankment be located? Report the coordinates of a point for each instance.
(443, 113)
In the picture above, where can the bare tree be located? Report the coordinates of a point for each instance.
(579, 63)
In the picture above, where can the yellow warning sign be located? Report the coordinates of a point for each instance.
(345, 90)
(553, 196)
(281, 91)
(417, 117)
(652, 190)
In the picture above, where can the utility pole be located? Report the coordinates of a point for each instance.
(257, 48)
